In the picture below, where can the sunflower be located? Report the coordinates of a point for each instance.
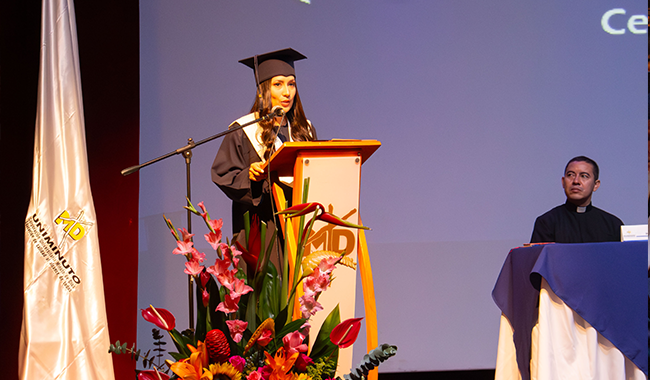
(225, 371)
(302, 376)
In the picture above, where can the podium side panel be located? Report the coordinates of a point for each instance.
(334, 182)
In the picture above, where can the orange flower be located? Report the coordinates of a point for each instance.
(280, 364)
(192, 369)
(202, 351)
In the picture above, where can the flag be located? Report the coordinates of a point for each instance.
(64, 332)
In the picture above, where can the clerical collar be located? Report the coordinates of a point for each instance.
(578, 209)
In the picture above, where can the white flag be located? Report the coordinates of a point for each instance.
(65, 332)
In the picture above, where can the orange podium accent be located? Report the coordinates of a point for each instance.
(334, 172)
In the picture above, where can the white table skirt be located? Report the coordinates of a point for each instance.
(564, 347)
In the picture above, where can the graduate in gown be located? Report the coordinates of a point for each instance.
(578, 221)
(237, 168)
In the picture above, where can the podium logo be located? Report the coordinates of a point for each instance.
(333, 238)
(73, 227)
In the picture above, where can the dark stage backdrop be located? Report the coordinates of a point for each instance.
(478, 105)
(109, 61)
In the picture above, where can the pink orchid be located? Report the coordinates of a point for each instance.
(193, 268)
(204, 214)
(216, 225)
(185, 235)
(293, 342)
(229, 304)
(238, 362)
(237, 329)
(232, 254)
(205, 298)
(239, 287)
(328, 264)
(309, 306)
(346, 332)
(214, 239)
(316, 282)
(159, 317)
(205, 277)
(227, 279)
(304, 329)
(223, 247)
(184, 248)
(197, 256)
(219, 267)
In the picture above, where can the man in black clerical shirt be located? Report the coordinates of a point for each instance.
(577, 221)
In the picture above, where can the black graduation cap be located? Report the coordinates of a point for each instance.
(279, 62)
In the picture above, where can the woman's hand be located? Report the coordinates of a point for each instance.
(256, 173)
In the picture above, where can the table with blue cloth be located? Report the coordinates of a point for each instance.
(603, 283)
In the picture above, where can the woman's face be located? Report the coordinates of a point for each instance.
(283, 91)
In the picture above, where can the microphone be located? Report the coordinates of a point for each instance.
(277, 111)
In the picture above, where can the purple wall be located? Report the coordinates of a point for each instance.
(478, 106)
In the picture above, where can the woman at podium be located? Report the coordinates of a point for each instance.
(237, 168)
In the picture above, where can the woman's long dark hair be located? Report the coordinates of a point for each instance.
(300, 128)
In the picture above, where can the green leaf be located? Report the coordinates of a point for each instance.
(251, 311)
(201, 312)
(269, 293)
(177, 356)
(181, 342)
(290, 327)
(247, 228)
(323, 347)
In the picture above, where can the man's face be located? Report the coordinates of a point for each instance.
(579, 183)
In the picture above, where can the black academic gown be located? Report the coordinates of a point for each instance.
(237, 152)
(564, 224)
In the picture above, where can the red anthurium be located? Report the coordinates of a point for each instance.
(152, 375)
(159, 317)
(345, 333)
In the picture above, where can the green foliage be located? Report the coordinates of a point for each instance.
(321, 369)
(136, 354)
(370, 361)
(269, 294)
(270, 298)
(323, 346)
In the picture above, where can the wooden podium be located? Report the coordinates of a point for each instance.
(334, 172)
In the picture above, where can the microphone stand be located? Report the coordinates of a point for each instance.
(186, 151)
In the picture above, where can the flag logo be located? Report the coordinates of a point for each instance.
(73, 227)
(53, 251)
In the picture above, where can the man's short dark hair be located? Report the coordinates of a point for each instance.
(587, 160)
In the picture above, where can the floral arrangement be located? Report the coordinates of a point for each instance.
(246, 325)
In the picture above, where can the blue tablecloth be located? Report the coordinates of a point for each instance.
(605, 283)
